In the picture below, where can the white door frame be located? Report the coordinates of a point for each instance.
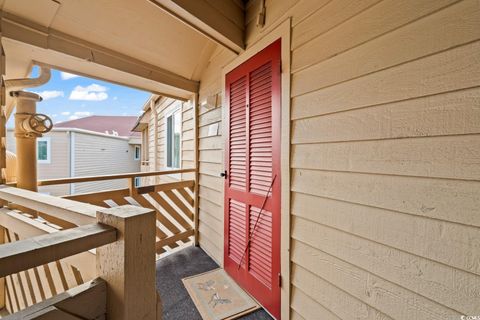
(283, 31)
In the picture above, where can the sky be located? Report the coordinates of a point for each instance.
(67, 96)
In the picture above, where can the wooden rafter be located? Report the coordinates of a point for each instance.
(205, 17)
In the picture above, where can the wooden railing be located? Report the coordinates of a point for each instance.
(35, 261)
(173, 202)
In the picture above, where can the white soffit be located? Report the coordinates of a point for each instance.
(134, 28)
(38, 11)
(20, 57)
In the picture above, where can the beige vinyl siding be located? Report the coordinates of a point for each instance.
(211, 158)
(157, 142)
(59, 166)
(385, 118)
(102, 155)
(385, 110)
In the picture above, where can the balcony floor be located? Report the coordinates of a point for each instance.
(177, 304)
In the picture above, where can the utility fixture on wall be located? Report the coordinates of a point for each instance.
(212, 101)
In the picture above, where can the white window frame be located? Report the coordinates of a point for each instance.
(49, 150)
(146, 146)
(135, 153)
(168, 113)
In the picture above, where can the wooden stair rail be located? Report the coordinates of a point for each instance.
(25, 227)
(25, 254)
(125, 237)
(70, 304)
(50, 182)
(71, 213)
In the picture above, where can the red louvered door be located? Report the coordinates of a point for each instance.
(252, 164)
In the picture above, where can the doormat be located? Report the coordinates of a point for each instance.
(217, 296)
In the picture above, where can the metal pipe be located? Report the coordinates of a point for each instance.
(20, 84)
(27, 128)
(26, 143)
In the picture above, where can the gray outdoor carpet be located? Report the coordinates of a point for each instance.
(177, 304)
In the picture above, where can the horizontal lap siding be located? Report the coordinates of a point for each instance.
(188, 139)
(99, 155)
(211, 158)
(385, 157)
(385, 160)
(59, 166)
(157, 141)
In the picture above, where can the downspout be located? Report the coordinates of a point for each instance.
(153, 108)
(72, 161)
(29, 125)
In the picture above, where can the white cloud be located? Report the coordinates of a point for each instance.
(79, 114)
(93, 92)
(65, 113)
(50, 94)
(67, 76)
(115, 98)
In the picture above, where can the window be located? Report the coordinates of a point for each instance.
(173, 132)
(43, 150)
(137, 153)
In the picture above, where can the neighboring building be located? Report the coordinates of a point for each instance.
(96, 145)
(167, 134)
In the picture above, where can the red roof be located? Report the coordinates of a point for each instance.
(123, 125)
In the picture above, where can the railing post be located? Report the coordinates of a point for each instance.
(131, 186)
(2, 280)
(128, 265)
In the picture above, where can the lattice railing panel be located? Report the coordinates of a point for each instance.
(29, 287)
(173, 203)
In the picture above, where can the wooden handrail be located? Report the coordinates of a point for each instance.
(50, 182)
(25, 254)
(74, 212)
(26, 227)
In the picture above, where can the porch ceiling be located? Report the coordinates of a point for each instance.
(71, 35)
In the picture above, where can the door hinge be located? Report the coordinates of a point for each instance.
(279, 280)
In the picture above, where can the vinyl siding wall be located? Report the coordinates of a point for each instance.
(59, 166)
(385, 161)
(157, 141)
(211, 158)
(101, 155)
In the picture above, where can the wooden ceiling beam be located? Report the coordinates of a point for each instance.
(219, 24)
(26, 31)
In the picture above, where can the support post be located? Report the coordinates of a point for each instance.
(2, 280)
(3, 120)
(196, 188)
(128, 265)
(131, 186)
